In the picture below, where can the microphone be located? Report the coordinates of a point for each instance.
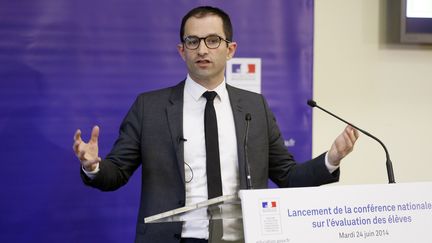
(248, 118)
(390, 173)
(181, 139)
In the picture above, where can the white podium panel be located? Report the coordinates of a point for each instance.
(392, 213)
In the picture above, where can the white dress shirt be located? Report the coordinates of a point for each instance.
(195, 153)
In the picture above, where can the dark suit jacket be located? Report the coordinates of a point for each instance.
(150, 136)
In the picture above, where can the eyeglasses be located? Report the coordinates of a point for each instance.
(211, 41)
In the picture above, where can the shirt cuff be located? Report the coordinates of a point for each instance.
(331, 168)
(91, 174)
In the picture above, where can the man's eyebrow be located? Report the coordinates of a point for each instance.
(203, 36)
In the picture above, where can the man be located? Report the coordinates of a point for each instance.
(164, 132)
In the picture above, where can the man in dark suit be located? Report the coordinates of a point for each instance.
(164, 132)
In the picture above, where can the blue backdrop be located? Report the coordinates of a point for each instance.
(68, 64)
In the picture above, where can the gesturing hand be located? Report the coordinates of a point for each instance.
(87, 153)
(343, 145)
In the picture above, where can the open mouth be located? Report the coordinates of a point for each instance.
(203, 61)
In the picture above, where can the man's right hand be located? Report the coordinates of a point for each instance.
(87, 153)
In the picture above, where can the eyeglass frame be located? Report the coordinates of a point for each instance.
(205, 43)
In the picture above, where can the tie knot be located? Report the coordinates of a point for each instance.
(210, 95)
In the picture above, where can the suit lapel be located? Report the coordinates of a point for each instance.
(175, 119)
(240, 126)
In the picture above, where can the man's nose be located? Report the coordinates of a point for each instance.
(202, 48)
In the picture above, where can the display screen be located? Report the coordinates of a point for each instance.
(416, 21)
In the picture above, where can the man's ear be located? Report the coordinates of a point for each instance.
(232, 47)
(181, 51)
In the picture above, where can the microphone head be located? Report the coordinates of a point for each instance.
(311, 103)
(248, 117)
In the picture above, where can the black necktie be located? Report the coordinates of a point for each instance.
(214, 181)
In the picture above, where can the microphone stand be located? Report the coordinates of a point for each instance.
(389, 165)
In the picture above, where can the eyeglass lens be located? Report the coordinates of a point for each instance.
(211, 41)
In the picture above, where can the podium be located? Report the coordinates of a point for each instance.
(226, 207)
(217, 208)
(383, 213)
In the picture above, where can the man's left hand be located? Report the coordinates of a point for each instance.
(342, 146)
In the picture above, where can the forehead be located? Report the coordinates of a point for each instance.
(204, 26)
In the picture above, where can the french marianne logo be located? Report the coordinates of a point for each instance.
(244, 73)
(269, 206)
(244, 68)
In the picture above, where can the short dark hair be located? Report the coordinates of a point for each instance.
(204, 11)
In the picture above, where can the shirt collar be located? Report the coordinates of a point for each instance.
(196, 90)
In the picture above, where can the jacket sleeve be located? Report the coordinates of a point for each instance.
(284, 170)
(125, 156)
